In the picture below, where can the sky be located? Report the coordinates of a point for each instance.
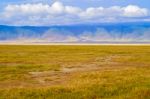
(62, 12)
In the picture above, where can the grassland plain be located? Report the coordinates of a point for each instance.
(74, 72)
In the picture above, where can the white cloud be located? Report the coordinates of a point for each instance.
(102, 12)
(115, 11)
(73, 10)
(58, 13)
(135, 11)
(57, 7)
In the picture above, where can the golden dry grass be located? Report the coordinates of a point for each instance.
(74, 72)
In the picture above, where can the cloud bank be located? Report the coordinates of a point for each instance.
(58, 14)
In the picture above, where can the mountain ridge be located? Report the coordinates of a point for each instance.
(112, 32)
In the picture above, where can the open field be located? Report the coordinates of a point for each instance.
(74, 72)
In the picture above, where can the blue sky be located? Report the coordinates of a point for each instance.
(58, 12)
(83, 3)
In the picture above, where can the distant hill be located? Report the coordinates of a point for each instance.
(104, 32)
